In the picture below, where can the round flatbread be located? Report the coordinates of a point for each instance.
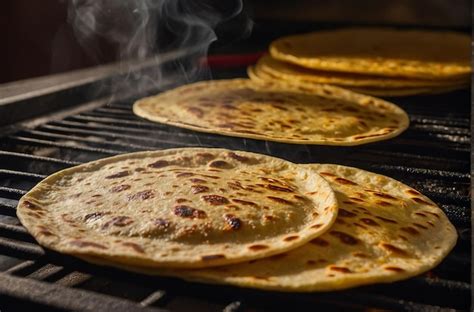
(309, 86)
(191, 207)
(243, 108)
(290, 72)
(380, 51)
(385, 231)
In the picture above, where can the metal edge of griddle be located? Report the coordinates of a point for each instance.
(71, 299)
(29, 98)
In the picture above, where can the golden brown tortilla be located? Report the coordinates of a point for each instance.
(268, 111)
(190, 207)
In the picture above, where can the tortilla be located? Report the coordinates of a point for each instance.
(243, 108)
(380, 51)
(290, 72)
(308, 86)
(192, 207)
(385, 231)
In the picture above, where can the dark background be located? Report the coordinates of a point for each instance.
(37, 39)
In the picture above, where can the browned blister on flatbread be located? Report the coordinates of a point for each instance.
(193, 207)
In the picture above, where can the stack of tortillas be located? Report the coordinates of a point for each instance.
(375, 61)
(239, 218)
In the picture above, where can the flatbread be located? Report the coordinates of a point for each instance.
(380, 51)
(308, 86)
(193, 207)
(243, 108)
(290, 72)
(385, 232)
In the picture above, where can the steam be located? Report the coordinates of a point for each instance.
(151, 30)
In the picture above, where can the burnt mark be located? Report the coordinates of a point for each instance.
(46, 233)
(410, 230)
(327, 174)
(196, 180)
(413, 192)
(189, 212)
(280, 200)
(291, 238)
(235, 185)
(93, 216)
(120, 188)
(359, 254)
(212, 257)
(118, 175)
(420, 226)
(358, 137)
(244, 202)
(369, 221)
(233, 222)
(319, 242)
(344, 181)
(395, 250)
(386, 220)
(182, 200)
(210, 176)
(394, 269)
(346, 214)
(243, 159)
(206, 156)
(143, 195)
(215, 200)
(135, 247)
(258, 247)
(196, 189)
(344, 237)
(159, 164)
(383, 203)
(340, 269)
(433, 214)
(162, 223)
(119, 221)
(421, 201)
(279, 188)
(301, 198)
(421, 214)
(196, 111)
(85, 244)
(31, 206)
(383, 195)
(221, 164)
(184, 174)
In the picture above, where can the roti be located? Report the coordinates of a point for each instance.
(380, 51)
(244, 108)
(308, 86)
(385, 231)
(190, 207)
(290, 72)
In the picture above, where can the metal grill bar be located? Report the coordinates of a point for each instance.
(71, 299)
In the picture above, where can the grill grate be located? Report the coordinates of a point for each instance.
(432, 156)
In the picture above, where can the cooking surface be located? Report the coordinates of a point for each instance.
(433, 156)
